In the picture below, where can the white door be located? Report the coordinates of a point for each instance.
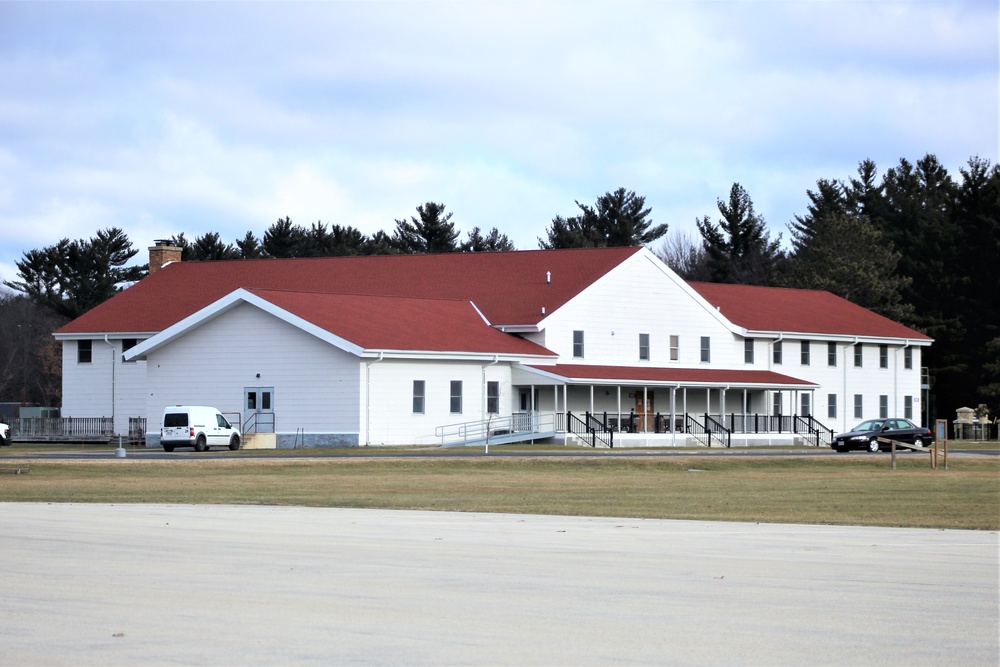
(258, 409)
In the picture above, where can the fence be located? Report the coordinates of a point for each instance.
(62, 428)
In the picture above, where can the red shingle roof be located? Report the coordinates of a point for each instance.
(509, 288)
(398, 323)
(688, 376)
(798, 310)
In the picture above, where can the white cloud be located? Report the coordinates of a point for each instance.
(161, 118)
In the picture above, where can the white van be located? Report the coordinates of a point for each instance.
(196, 426)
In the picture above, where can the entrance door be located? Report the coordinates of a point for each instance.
(644, 413)
(258, 409)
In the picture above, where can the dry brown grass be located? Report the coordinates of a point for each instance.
(842, 490)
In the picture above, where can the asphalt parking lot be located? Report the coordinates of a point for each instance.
(241, 585)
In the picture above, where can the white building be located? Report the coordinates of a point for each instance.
(416, 349)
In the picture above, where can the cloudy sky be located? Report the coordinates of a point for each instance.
(162, 118)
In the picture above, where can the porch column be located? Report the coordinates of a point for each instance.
(708, 401)
(685, 405)
(722, 404)
(591, 399)
(565, 409)
(673, 414)
(619, 408)
(645, 408)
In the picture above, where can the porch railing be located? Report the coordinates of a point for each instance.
(517, 427)
(590, 429)
(808, 425)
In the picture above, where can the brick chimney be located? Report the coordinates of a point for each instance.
(162, 253)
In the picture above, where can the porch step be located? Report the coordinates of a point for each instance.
(259, 441)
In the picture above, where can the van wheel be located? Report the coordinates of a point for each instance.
(168, 448)
(234, 443)
(199, 444)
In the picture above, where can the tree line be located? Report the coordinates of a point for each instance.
(915, 244)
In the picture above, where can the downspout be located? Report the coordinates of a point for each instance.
(368, 398)
(113, 355)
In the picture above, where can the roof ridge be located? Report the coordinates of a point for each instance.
(359, 294)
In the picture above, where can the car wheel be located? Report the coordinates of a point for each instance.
(199, 444)
(234, 443)
(918, 442)
(873, 445)
(168, 448)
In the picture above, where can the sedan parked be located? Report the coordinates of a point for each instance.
(866, 434)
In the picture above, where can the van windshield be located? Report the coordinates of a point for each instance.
(175, 419)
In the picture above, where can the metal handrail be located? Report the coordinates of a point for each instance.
(590, 428)
(482, 430)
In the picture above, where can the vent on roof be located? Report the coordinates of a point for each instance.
(543, 310)
(548, 277)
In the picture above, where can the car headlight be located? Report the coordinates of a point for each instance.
(860, 437)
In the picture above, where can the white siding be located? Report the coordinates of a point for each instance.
(316, 386)
(639, 296)
(391, 417)
(88, 387)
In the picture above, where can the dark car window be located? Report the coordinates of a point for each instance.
(175, 419)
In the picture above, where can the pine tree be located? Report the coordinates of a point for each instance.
(431, 232)
(739, 248)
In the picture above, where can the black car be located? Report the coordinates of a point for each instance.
(865, 435)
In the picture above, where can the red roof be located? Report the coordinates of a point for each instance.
(509, 288)
(688, 376)
(799, 310)
(397, 323)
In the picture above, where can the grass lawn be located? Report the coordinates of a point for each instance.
(849, 489)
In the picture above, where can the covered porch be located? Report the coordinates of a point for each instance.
(655, 407)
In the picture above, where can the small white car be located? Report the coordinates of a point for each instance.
(4, 435)
(196, 426)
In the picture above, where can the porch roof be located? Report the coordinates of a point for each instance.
(682, 377)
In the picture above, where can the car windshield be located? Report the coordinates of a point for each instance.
(870, 425)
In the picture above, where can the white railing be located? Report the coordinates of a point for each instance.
(518, 426)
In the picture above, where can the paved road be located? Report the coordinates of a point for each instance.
(155, 453)
(224, 585)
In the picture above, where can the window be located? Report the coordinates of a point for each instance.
(706, 349)
(883, 356)
(84, 351)
(831, 354)
(859, 408)
(418, 397)
(831, 406)
(883, 406)
(578, 344)
(493, 397)
(908, 407)
(776, 352)
(804, 356)
(806, 408)
(643, 347)
(858, 355)
(456, 397)
(675, 348)
(127, 344)
(908, 358)
(776, 403)
(748, 351)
